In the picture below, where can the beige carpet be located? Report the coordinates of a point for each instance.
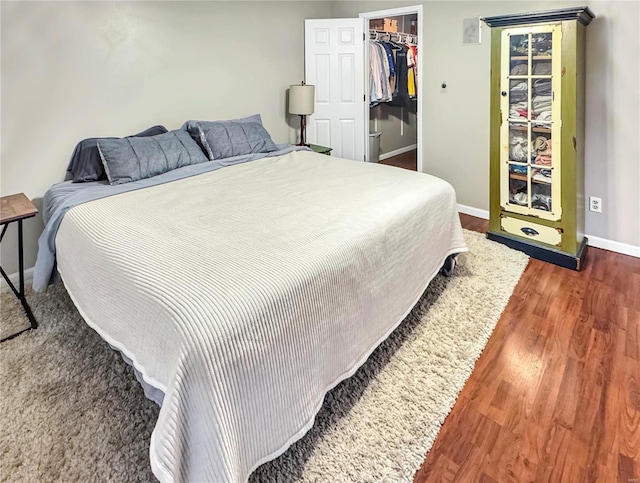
(71, 410)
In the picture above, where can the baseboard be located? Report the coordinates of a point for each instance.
(593, 241)
(395, 152)
(28, 280)
(470, 210)
(614, 246)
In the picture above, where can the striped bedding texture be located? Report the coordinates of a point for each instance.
(243, 295)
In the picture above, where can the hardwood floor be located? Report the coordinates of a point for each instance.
(555, 396)
(408, 160)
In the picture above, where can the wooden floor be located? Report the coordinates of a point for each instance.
(555, 396)
(408, 160)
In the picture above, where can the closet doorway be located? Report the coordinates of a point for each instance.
(392, 65)
(337, 63)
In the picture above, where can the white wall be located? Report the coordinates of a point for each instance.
(72, 70)
(399, 126)
(456, 130)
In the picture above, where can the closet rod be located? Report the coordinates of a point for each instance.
(409, 38)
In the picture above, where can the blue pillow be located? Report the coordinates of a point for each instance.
(224, 139)
(131, 159)
(86, 164)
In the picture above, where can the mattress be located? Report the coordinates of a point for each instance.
(242, 295)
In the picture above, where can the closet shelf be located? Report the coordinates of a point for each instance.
(408, 38)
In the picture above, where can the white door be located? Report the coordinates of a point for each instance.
(334, 63)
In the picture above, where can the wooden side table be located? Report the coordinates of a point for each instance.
(320, 149)
(15, 208)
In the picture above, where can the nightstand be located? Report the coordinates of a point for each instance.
(320, 149)
(15, 208)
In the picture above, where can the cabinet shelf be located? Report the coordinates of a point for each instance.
(535, 57)
(521, 177)
(533, 129)
(524, 177)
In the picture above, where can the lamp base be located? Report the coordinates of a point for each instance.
(304, 144)
(303, 129)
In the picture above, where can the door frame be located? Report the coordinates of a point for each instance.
(395, 12)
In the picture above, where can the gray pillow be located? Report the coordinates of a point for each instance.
(86, 165)
(131, 159)
(224, 139)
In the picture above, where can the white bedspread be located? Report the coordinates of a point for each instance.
(246, 293)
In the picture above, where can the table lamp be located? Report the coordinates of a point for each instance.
(301, 102)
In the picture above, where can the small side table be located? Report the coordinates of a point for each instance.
(15, 208)
(320, 149)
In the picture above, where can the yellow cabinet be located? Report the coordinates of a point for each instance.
(537, 133)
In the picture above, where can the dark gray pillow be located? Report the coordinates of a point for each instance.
(86, 164)
(224, 139)
(131, 159)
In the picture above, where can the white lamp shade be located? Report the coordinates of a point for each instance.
(301, 99)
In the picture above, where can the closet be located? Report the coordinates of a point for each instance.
(392, 90)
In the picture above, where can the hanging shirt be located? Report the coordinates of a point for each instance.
(392, 69)
(414, 51)
(401, 99)
(379, 71)
(374, 72)
(411, 83)
(412, 66)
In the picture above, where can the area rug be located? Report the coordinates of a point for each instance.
(71, 409)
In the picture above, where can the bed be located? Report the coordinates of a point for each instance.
(242, 290)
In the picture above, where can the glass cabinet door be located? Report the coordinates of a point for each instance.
(530, 106)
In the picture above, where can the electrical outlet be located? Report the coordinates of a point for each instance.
(595, 204)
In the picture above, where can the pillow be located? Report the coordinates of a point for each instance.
(85, 163)
(224, 139)
(134, 158)
(192, 127)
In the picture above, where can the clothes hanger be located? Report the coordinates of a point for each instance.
(395, 43)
